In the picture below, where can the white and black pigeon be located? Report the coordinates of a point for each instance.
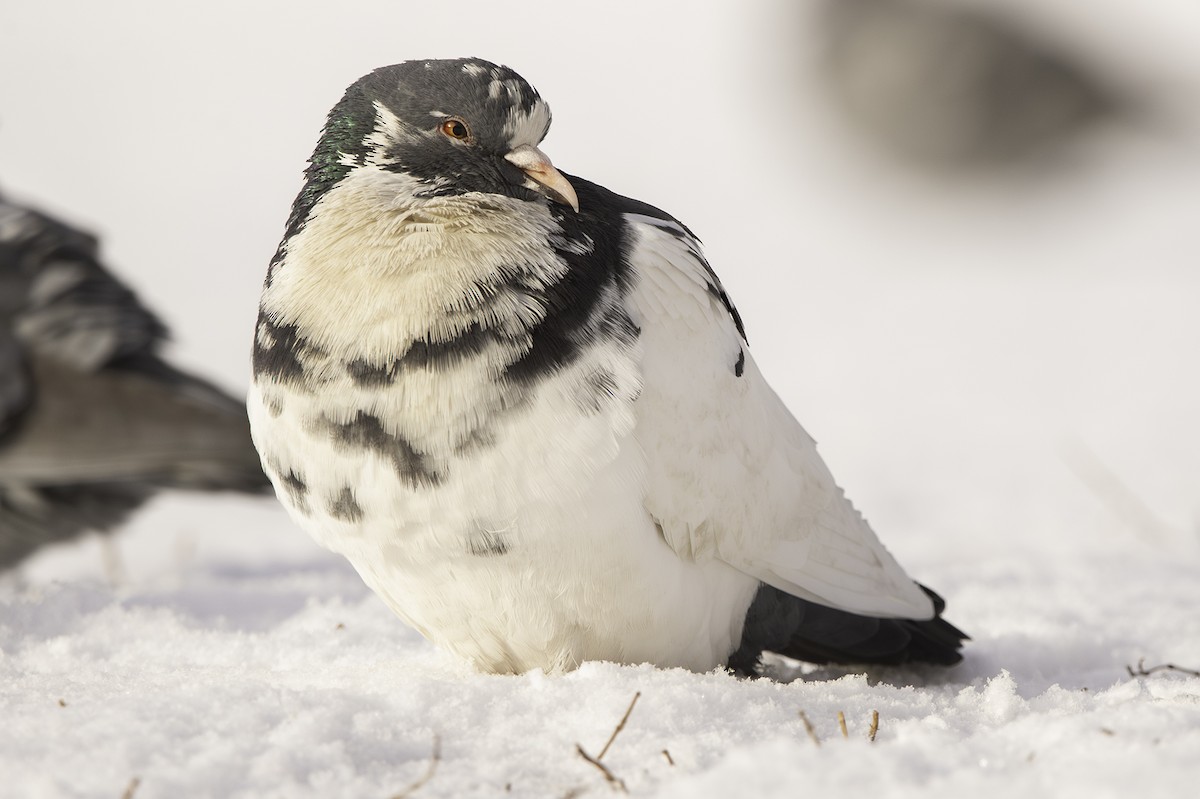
(92, 419)
(522, 406)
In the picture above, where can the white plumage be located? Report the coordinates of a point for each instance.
(764, 502)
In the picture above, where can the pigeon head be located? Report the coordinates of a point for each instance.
(446, 128)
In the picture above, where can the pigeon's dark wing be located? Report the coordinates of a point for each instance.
(92, 417)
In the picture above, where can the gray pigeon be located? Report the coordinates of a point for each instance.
(959, 85)
(92, 419)
(525, 409)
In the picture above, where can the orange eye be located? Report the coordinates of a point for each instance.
(456, 129)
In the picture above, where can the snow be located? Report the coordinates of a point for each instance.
(285, 677)
(1002, 374)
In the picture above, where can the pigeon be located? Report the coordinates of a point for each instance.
(523, 408)
(959, 86)
(92, 419)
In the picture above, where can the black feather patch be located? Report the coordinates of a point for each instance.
(278, 350)
(487, 544)
(297, 489)
(371, 375)
(627, 205)
(365, 431)
(797, 628)
(345, 507)
(426, 353)
(585, 305)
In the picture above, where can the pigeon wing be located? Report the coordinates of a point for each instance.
(731, 473)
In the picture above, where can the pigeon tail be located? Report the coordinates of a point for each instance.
(797, 628)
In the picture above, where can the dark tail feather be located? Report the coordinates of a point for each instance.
(796, 628)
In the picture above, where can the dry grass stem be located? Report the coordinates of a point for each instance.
(812, 733)
(667, 755)
(620, 726)
(434, 759)
(613, 779)
(842, 724)
(1142, 671)
(131, 789)
(1124, 503)
(874, 726)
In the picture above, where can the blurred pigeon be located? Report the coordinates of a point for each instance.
(957, 86)
(92, 419)
(524, 408)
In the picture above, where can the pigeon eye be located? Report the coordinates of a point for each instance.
(456, 129)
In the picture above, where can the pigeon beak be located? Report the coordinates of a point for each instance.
(541, 176)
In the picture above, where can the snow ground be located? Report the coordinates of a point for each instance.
(282, 676)
(1003, 375)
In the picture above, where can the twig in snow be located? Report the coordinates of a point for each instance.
(874, 726)
(613, 779)
(131, 789)
(62, 703)
(667, 755)
(842, 724)
(620, 726)
(812, 733)
(1142, 671)
(434, 759)
(595, 761)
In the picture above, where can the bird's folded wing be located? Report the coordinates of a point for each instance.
(730, 472)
